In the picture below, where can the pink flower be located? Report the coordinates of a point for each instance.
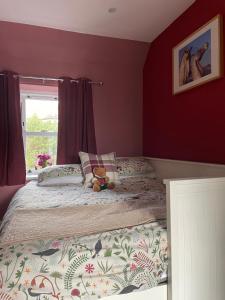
(42, 159)
(89, 268)
(75, 293)
(33, 282)
(133, 267)
(41, 286)
(44, 156)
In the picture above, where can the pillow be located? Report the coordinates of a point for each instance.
(60, 175)
(130, 166)
(90, 161)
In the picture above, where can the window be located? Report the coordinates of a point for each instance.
(40, 127)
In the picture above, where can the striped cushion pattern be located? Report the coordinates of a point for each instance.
(89, 161)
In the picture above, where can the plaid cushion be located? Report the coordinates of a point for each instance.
(90, 161)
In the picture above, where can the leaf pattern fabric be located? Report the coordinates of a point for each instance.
(90, 267)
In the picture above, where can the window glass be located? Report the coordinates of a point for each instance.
(36, 145)
(40, 127)
(41, 115)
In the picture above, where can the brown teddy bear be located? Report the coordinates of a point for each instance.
(101, 181)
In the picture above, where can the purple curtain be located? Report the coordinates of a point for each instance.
(76, 130)
(12, 161)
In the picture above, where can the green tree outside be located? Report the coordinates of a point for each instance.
(36, 145)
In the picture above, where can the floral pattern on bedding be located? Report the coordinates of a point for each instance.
(90, 267)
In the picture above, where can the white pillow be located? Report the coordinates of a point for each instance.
(60, 175)
(133, 166)
(65, 180)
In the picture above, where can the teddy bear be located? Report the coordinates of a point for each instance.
(101, 181)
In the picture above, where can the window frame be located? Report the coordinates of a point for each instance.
(34, 96)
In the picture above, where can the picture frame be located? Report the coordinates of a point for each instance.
(198, 58)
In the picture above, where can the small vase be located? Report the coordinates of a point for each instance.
(44, 165)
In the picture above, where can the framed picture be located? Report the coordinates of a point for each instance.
(198, 58)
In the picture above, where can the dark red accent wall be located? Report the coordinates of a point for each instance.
(191, 125)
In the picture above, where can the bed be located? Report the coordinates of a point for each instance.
(44, 258)
(194, 236)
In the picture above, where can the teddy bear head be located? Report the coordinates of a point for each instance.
(99, 172)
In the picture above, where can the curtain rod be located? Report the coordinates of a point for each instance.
(100, 83)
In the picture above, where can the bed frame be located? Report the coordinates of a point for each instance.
(196, 232)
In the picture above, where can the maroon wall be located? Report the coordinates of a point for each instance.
(191, 125)
(33, 50)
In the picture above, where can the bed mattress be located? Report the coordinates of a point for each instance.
(91, 266)
(130, 187)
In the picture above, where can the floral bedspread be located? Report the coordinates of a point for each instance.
(90, 267)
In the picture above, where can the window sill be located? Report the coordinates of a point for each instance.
(30, 177)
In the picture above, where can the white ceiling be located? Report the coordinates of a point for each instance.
(141, 20)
